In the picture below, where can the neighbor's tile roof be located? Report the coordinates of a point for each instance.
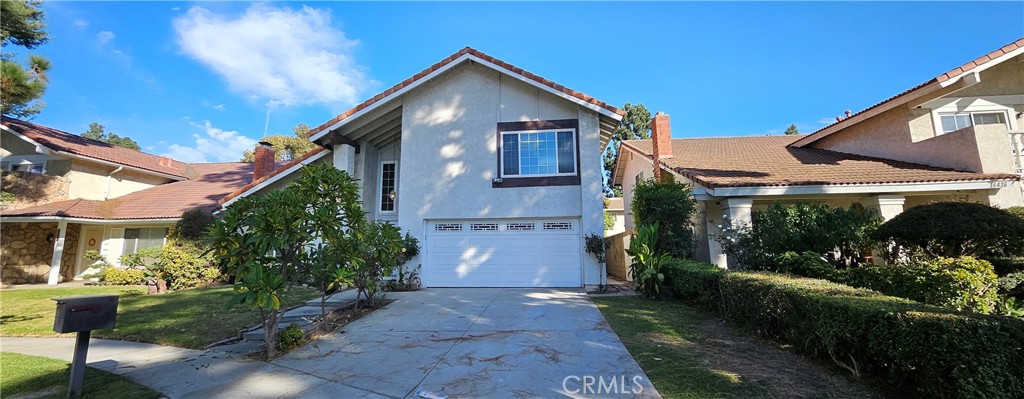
(960, 70)
(212, 182)
(57, 140)
(767, 161)
(479, 54)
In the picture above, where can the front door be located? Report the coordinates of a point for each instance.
(92, 238)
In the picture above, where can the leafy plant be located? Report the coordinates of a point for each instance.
(187, 264)
(671, 205)
(1011, 307)
(952, 229)
(291, 337)
(963, 283)
(840, 236)
(379, 243)
(117, 276)
(609, 220)
(410, 248)
(267, 239)
(193, 224)
(595, 245)
(647, 263)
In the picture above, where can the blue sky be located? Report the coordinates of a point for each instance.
(196, 80)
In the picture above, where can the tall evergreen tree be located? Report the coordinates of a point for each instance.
(21, 88)
(286, 147)
(792, 130)
(635, 125)
(98, 132)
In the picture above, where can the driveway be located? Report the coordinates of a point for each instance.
(472, 343)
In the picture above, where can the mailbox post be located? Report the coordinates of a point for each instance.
(82, 314)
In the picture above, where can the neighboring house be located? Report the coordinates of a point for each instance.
(73, 194)
(957, 136)
(613, 207)
(494, 169)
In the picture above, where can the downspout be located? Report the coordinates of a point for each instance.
(106, 194)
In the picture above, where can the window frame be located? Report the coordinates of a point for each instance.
(971, 117)
(520, 153)
(29, 162)
(124, 237)
(380, 188)
(556, 179)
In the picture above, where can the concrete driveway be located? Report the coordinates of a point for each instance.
(474, 343)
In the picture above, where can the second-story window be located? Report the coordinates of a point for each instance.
(952, 122)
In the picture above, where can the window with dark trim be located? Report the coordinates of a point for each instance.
(538, 153)
(388, 174)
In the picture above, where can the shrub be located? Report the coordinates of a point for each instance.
(291, 337)
(116, 276)
(956, 283)
(647, 265)
(1017, 211)
(694, 281)
(952, 229)
(193, 224)
(841, 236)
(670, 205)
(807, 264)
(186, 264)
(922, 350)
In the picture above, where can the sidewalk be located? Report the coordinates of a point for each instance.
(179, 373)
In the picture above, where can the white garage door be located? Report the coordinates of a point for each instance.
(503, 253)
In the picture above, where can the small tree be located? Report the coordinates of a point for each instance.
(792, 130)
(379, 243)
(267, 238)
(668, 205)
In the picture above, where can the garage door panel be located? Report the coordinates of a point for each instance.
(511, 253)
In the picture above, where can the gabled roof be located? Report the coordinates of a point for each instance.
(766, 161)
(986, 61)
(77, 146)
(460, 56)
(166, 201)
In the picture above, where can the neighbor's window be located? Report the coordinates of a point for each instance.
(139, 239)
(538, 153)
(388, 174)
(26, 167)
(956, 121)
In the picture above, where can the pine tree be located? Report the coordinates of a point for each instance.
(98, 132)
(635, 125)
(792, 130)
(286, 147)
(21, 88)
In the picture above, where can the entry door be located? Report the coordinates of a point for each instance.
(503, 253)
(92, 238)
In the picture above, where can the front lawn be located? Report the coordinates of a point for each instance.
(189, 318)
(689, 354)
(44, 378)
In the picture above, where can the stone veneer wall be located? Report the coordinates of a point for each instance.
(25, 255)
(31, 189)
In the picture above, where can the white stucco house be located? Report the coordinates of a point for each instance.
(494, 169)
(958, 136)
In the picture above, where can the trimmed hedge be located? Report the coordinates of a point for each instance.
(961, 283)
(922, 350)
(117, 276)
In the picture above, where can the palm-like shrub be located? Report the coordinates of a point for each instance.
(647, 262)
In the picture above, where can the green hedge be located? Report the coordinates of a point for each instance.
(116, 276)
(921, 350)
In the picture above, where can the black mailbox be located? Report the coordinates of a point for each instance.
(85, 313)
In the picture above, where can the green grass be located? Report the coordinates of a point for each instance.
(189, 318)
(23, 374)
(662, 336)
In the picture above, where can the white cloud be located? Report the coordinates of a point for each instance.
(213, 145)
(81, 23)
(219, 107)
(279, 55)
(104, 37)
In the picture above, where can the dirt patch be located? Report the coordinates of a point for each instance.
(782, 372)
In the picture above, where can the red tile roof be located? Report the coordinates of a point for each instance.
(61, 141)
(212, 182)
(960, 70)
(768, 161)
(470, 51)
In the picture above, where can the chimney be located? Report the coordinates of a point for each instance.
(661, 138)
(263, 160)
